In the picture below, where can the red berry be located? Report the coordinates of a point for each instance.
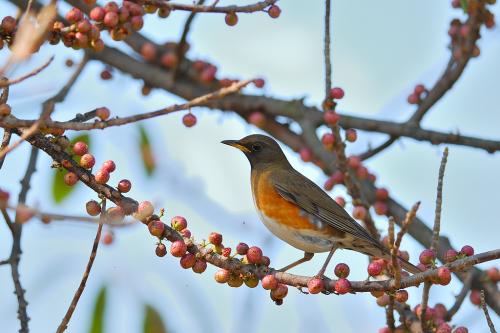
(493, 274)
(440, 310)
(354, 162)
(306, 155)
(8, 24)
(107, 238)
(161, 250)
(381, 194)
(74, 15)
(328, 140)
(337, 177)
(222, 276)
(413, 99)
(179, 223)
(242, 249)
(342, 286)
(336, 93)
(254, 255)
(156, 228)
(467, 250)
(102, 176)
(329, 183)
(231, 19)
(84, 26)
(375, 268)
(450, 255)
(87, 161)
(315, 285)
(186, 233)
(112, 7)
(144, 210)
(419, 89)
(199, 266)
(257, 118)
(97, 14)
(351, 135)
(274, 11)
(80, 148)
(111, 19)
(269, 282)
(362, 173)
(189, 120)
(259, 83)
(280, 291)
(124, 185)
(340, 201)
(188, 260)
(169, 60)
(178, 248)
(265, 261)
(359, 212)
(109, 166)
(380, 208)
(70, 178)
(461, 329)
(331, 118)
(444, 275)
(208, 74)
(342, 270)
(475, 297)
(137, 22)
(102, 113)
(401, 296)
(443, 328)
(226, 252)
(427, 257)
(93, 208)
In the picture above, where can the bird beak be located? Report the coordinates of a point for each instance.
(236, 144)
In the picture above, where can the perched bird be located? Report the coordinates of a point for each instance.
(298, 211)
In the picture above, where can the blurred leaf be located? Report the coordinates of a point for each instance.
(464, 5)
(60, 190)
(146, 151)
(152, 321)
(97, 325)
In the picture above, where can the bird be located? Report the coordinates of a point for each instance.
(298, 211)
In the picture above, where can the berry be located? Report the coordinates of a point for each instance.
(351, 135)
(359, 212)
(336, 93)
(242, 249)
(5, 109)
(254, 255)
(375, 268)
(179, 223)
(475, 297)
(102, 176)
(257, 118)
(383, 300)
(222, 276)
(169, 60)
(493, 274)
(340, 201)
(111, 19)
(427, 257)
(93, 208)
(444, 275)
(443, 328)
(87, 161)
(188, 260)
(315, 285)
(380, 208)
(144, 209)
(251, 282)
(235, 281)
(265, 261)
(450, 256)
(259, 83)
(342, 270)
(161, 250)
(306, 155)
(331, 117)
(137, 22)
(80, 148)
(274, 11)
(8, 24)
(354, 162)
(280, 291)
(419, 89)
(231, 19)
(215, 238)
(329, 183)
(384, 330)
(199, 266)
(401, 296)
(156, 228)
(178, 248)
(70, 178)
(467, 250)
(102, 113)
(226, 252)
(189, 120)
(107, 238)
(429, 312)
(342, 286)
(109, 166)
(186, 233)
(461, 329)
(328, 140)
(381, 194)
(124, 185)
(440, 311)
(269, 282)
(74, 15)
(362, 173)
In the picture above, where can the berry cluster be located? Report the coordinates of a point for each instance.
(418, 93)
(231, 18)
(7, 30)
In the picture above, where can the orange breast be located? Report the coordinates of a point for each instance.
(275, 207)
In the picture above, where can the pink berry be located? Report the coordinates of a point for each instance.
(188, 260)
(169, 60)
(381, 194)
(385, 330)
(338, 177)
(429, 312)
(186, 233)
(467, 250)
(280, 291)
(362, 173)
(179, 223)
(328, 139)
(461, 329)
(109, 166)
(427, 257)
(70, 178)
(450, 255)
(161, 250)
(419, 89)
(475, 297)
(226, 252)
(274, 11)
(93, 208)
(443, 328)
(342, 286)
(102, 113)
(306, 155)
(178, 248)
(102, 176)
(144, 210)
(331, 118)
(199, 266)
(401, 296)
(257, 118)
(112, 7)
(493, 274)
(351, 135)
(189, 120)
(265, 261)
(359, 212)
(124, 185)
(97, 14)
(340, 201)
(242, 249)
(413, 99)
(315, 285)
(231, 19)
(342, 270)
(375, 268)
(80, 148)
(156, 228)
(137, 22)
(444, 275)
(337, 93)
(74, 15)
(222, 276)
(440, 310)
(254, 255)
(329, 184)
(259, 83)
(111, 19)
(269, 282)
(380, 208)
(87, 161)
(354, 162)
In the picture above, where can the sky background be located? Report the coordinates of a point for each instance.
(380, 51)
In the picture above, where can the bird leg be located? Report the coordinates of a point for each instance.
(307, 256)
(321, 272)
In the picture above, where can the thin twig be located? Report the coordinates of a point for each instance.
(394, 254)
(439, 201)
(487, 314)
(26, 76)
(7, 219)
(389, 313)
(258, 6)
(423, 304)
(460, 297)
(7, 134)
(64, 324)
(326, 50)
(374, 151)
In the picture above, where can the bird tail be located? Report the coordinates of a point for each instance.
(409, 266)
(379, 251)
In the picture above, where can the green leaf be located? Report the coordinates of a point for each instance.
(464, 5)
(152, 321)
(60, 190)
(147, 154)
(97, 325)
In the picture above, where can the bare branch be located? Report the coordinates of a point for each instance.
(486, 314)
(439, 201)
(26, 76)
(258, 6)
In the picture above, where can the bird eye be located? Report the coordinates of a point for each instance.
(256, 147)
